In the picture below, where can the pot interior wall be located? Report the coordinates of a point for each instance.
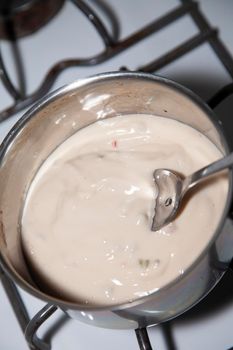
(50, 123)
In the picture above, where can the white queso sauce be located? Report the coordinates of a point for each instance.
(88, 212)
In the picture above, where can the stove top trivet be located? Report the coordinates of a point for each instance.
(113, 46)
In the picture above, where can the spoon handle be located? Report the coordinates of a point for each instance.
(208, 170)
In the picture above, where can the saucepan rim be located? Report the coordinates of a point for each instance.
(85, 82)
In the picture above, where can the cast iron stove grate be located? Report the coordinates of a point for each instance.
(113, 47)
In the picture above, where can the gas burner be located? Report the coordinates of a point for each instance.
(19, 18)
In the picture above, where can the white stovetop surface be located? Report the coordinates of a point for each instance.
(208, 325)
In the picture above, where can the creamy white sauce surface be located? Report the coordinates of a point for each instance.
(87, 216)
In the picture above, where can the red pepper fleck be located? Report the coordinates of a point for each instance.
(114, 143)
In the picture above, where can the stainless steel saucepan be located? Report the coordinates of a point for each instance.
(56, 117)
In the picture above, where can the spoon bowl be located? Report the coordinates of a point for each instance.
(172, 187)
(169, 185)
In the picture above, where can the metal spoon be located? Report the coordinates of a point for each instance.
(172, 188)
